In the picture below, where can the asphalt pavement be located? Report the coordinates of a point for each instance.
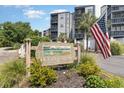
(114, 64)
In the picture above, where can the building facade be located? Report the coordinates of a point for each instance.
(116, 18)
(60, 23)
(46, 32)
(79, 11)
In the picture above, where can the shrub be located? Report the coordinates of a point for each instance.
(87, 69)
(122, 48)
(116, 48)
(88, 58)
(114, 82)
(71, 66)
(16, 46)
(94, 81)
(41, 76)
(36, 40)
(12, 73)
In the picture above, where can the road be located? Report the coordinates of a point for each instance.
(7, 55)
(114, 64)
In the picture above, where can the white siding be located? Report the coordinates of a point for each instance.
(64, 23)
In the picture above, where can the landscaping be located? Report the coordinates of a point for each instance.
(84, 75)
(117, 48)
(12, 73)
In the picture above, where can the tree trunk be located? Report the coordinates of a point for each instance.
(87, 39)
(96, 47)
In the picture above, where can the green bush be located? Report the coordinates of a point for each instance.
(116, 48)
(12, 73)
(88, 58)
(94, 81)
(87, 69)
(36, 40)
(5, 43)
(41, 76)
(122, 48)
(115, 82)
(16, 46)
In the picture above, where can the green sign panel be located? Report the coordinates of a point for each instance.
(56, 50)
(53, 53)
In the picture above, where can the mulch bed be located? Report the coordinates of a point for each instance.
(68, 79)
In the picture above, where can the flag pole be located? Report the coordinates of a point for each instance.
(107, 27)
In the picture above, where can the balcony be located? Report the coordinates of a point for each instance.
(54, 20)
(53, 30)
(79, 36)
(117, 33)
(117, 8)
(117, 20)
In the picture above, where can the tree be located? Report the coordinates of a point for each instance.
(35, 40)
(62, 37)
(85, 22)
(36, 32)
(16, 32)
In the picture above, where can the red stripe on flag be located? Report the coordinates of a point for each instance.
(103, 36)
(100, 40)
(98, 43)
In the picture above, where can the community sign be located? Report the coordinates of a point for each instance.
(51, 53)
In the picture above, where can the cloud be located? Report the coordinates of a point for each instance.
(58, 11)
(31, 14)
(47, 18)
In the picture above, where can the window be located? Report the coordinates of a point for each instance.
(118, 28)
(61, 25)
(61, 17)
(122, 28)
(89, 11)
(114, 28)
(115, 8)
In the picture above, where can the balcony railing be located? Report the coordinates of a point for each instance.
(54, 20)
(53, 30)
(79, 35)
(117, 20)
(117, 33)
(117, 8)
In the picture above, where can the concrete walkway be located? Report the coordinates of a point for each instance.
(7, 55)
(114, 64)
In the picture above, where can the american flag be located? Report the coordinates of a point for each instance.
(101, 36)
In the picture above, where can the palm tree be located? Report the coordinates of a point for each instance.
(85, 22)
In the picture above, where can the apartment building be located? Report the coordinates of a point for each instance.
(46, 32)
(79, 10)
(115, 15)
(61, 23)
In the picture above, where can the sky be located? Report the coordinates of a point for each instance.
(38, 15)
